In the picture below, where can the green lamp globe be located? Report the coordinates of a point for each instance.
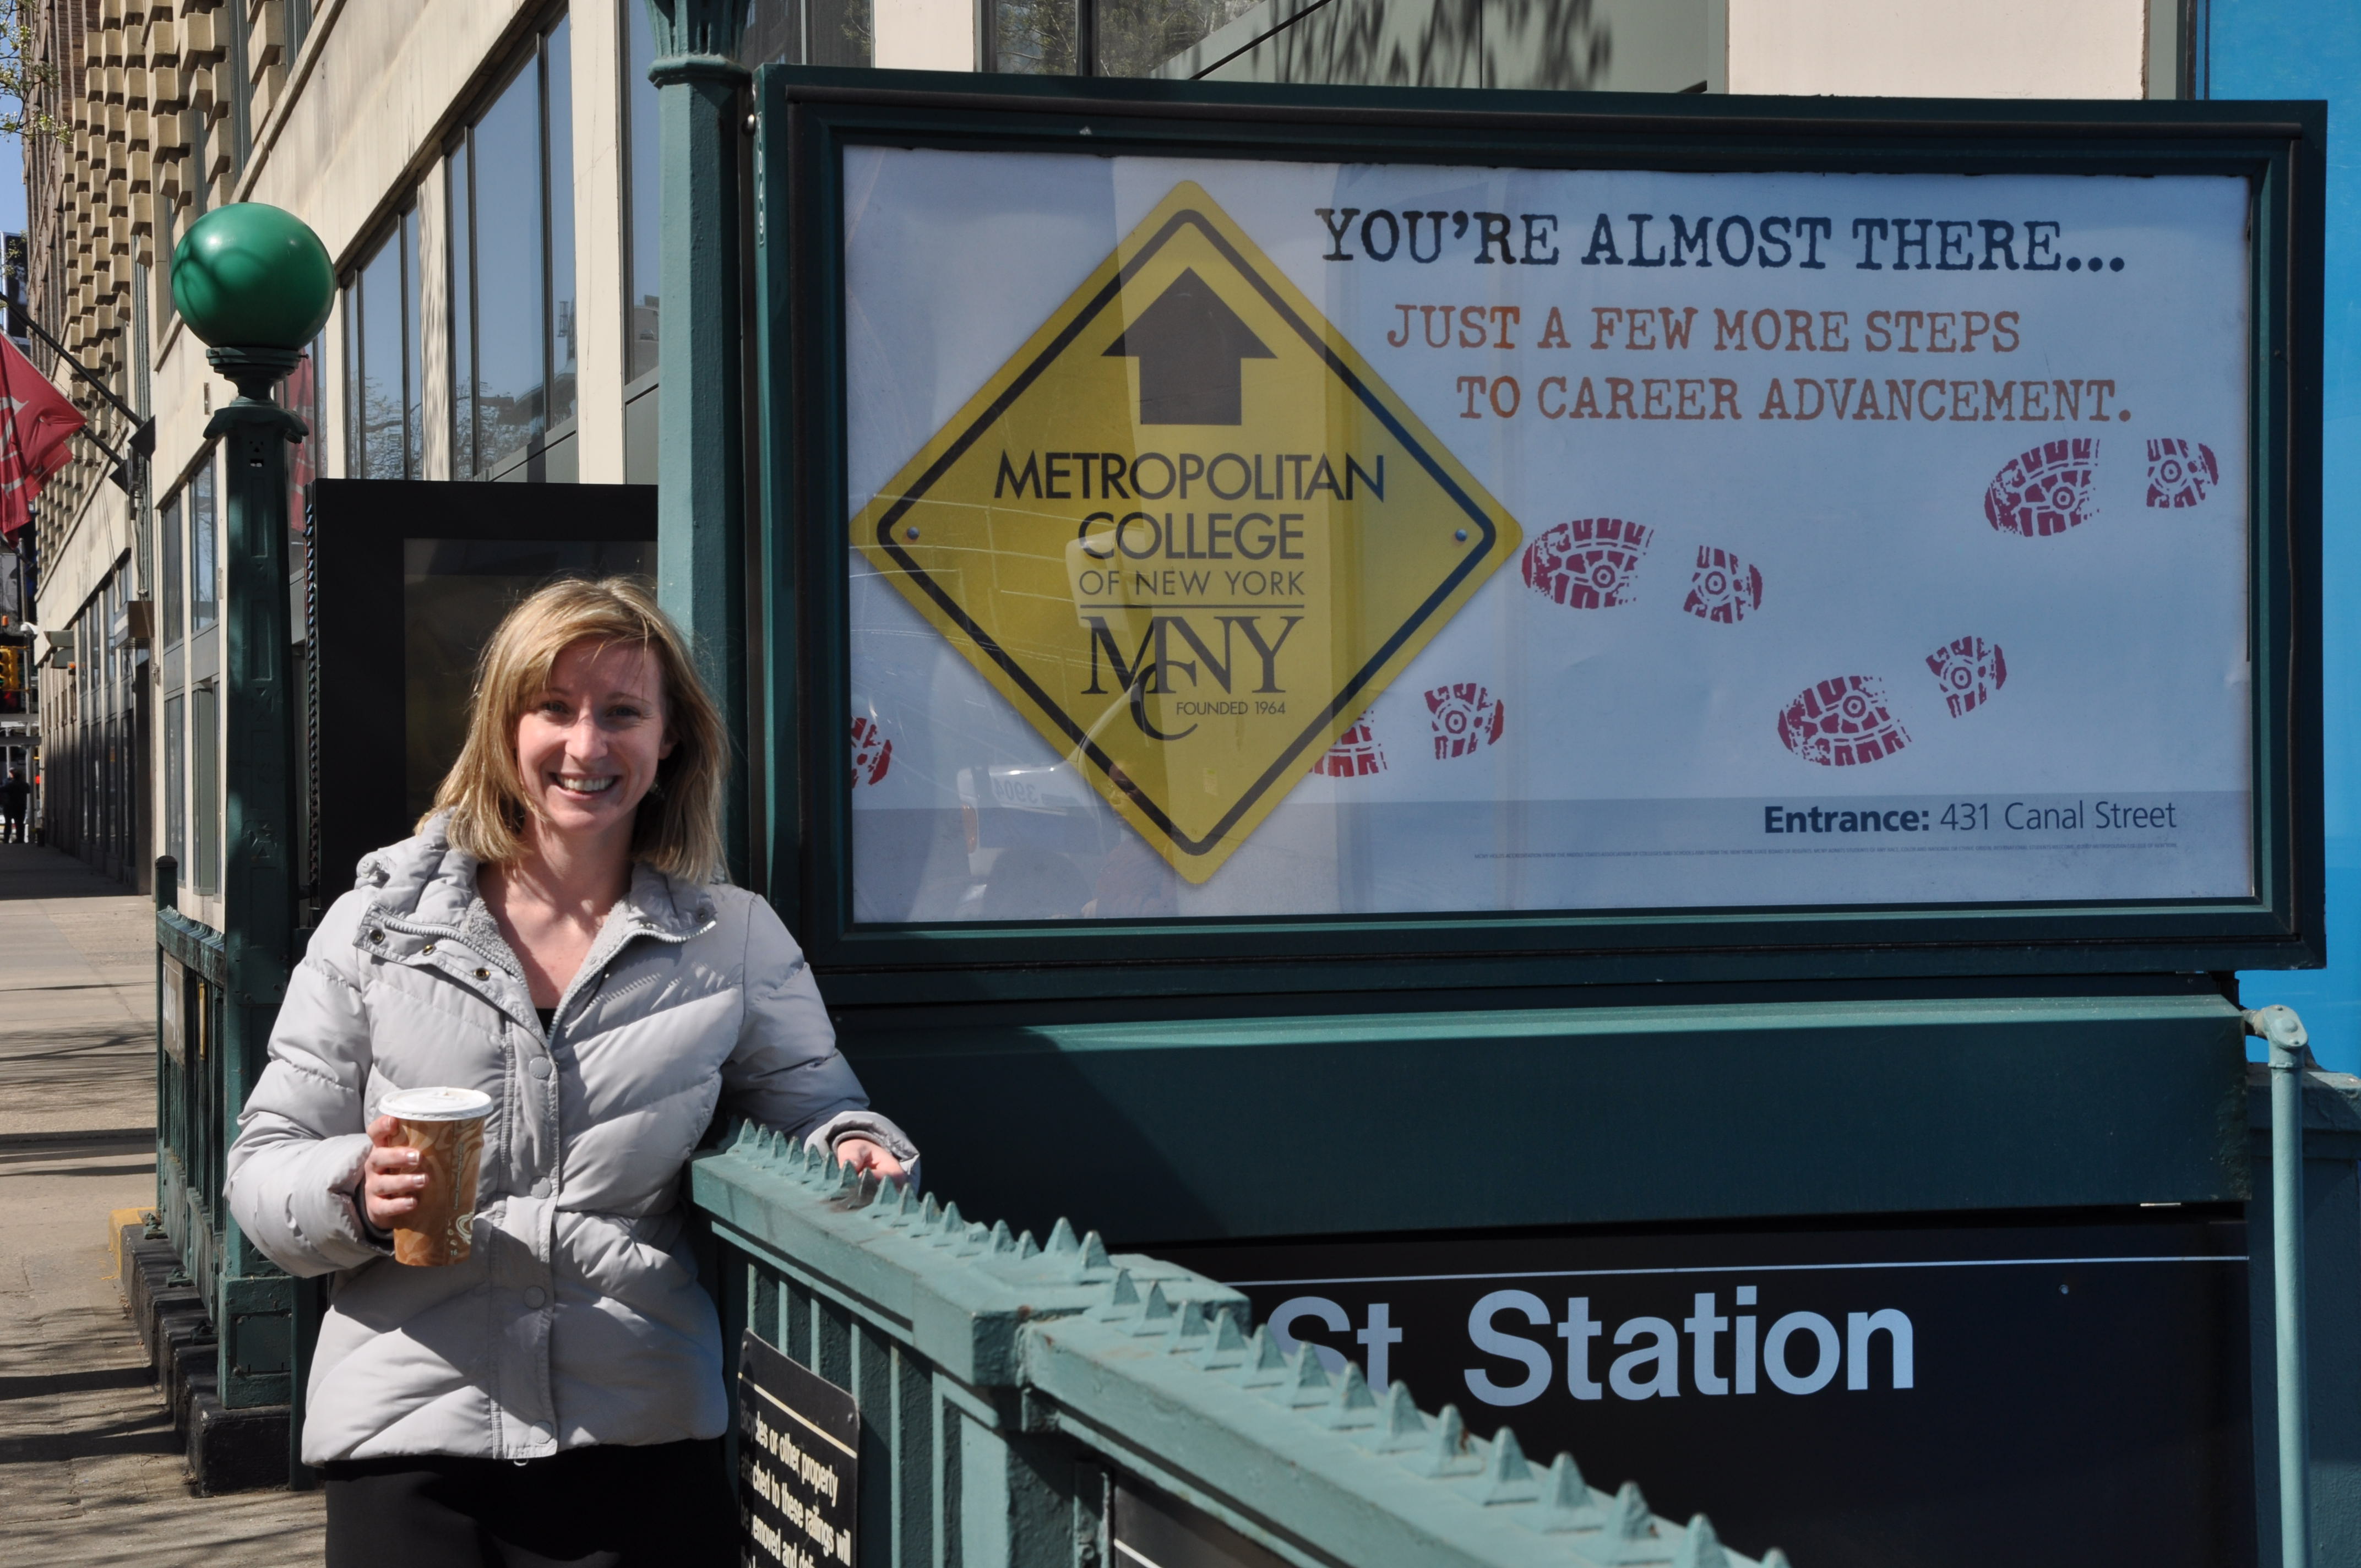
(252, 276)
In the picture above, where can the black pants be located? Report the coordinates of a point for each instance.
(587, 1507)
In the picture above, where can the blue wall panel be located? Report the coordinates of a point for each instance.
(2311, 48)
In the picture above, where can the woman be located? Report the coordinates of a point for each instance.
(552, 936)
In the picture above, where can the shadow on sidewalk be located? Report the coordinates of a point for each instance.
(35, 870)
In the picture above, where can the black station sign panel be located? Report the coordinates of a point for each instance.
(1951, 1395)
(798, 1462)
(1150, 1529)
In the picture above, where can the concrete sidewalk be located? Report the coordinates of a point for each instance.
(90, 1470)
(77, 998)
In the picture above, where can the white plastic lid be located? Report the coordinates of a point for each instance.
(436, 1104)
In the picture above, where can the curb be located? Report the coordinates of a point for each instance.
(78, 1135)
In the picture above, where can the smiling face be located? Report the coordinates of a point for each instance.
(590, 741)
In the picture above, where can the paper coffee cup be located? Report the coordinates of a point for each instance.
(447, 1128)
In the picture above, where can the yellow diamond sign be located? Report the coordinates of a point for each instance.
(1188, 532)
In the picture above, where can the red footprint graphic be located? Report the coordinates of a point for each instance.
(2180, 472)
(1466, 717)
(873, 753)
(1355, 754)
(1969, 671)
(1723, 589)
(2044, 491)
(1587, 563)
(1841, 722)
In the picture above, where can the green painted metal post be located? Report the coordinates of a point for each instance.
(254, 1306)
(700, 465)
(255, 284)
(2288, 1043)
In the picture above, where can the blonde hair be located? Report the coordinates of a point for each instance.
(678, 828)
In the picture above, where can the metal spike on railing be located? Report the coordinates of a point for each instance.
(1310, 1384)
(864, 1187)
(1774, 1558)
(1265, 1361)
(1123, 1295)
(849, 1177)
(1155, 1312)
(1187, 1327)
(1028, 1248)
(892, 1204)
(744, 1136)
(1628, 1518)
(1062, 1239)
(1508, 1476)
(1350, 1402)
(953, 1224)
(1227, 1346)
(1445, 1450)
(1400, 1423)
(930, 1213)
(1700, 1547)
(1094, 1253)
(1003, 1239)
(1565, 1499)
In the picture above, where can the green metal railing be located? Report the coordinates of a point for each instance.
(1008, 1387)
(201, 1079)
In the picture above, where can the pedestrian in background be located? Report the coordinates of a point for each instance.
(14, 793)
(554, 938)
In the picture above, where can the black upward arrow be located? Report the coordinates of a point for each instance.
(1190, 346)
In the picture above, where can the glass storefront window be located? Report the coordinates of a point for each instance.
(513, 351)
(176, 780)
(205, 605)
(168, 526)
(644, 275)
(382, 379)
(205, 804)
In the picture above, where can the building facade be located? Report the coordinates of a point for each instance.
(483, 174)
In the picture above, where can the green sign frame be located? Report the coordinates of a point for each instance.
(806, 117)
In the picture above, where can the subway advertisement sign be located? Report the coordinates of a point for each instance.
(1453, 529)
(1858, 1394)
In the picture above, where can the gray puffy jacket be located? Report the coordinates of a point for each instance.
(578, 1318)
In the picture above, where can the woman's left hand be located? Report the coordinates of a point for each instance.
(863, 1155)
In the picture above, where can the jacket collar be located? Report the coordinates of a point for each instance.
(427, 883)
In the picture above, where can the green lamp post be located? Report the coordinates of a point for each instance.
(255, 284)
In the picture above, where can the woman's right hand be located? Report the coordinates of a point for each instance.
(392, 1178)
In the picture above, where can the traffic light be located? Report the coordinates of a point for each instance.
(12, 678)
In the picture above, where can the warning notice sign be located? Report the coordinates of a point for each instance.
(1188, 531)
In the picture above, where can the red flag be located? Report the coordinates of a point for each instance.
(37, 425)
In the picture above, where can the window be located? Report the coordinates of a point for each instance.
(385, 438)
(300, 396)
(167, 524)
(809, 32)
(512, 352)
(204, 572)
(176, 780)
(240, 125)
(206, 713)
(643, 260)
(1101, 37)
(200, 166)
